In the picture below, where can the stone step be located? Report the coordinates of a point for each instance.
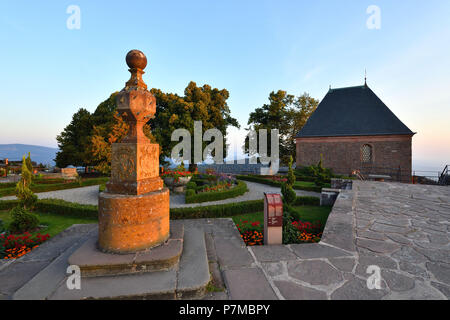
(93, 262)
(186, 280)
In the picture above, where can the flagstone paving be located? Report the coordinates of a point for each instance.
(402, 229)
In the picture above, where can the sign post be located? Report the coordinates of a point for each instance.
(273, 219)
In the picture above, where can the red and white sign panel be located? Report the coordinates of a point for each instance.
(273, 210)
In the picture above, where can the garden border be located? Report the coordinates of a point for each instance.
(276, 184)
(238, 190)
(213, 211)
(54, 187)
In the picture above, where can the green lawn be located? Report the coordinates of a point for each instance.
(304, 213)
(54, 223)
(304, 184)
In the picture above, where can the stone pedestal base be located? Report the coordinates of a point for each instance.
(131, 223)
(92, 262)
(179, 189)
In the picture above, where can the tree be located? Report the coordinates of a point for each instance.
(291, 175)
(21, 219)
(74, 141)
(298, 114)
(29, 164)
(102, 138)
(87, 139)
(198, 104)
(286, 113)
(27, 199)
(287, 190)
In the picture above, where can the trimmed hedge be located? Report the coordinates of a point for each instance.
(65, 208)
(57, 206)
(217, 211)
(238, 190)
(7, 185)
(58, 186)
(305, 178)
(257, 179)
(307, 201)
(277, 184)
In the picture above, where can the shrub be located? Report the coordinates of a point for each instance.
(290, 175)
(289, 195)
(27, 199)
(190, 193)
(238, 190)
(290, 232)
(217, 211)
(191, 185)
(22, 220)
(307, 201)
(28, 163)
(2, 226)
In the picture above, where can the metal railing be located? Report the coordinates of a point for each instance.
(444, 178)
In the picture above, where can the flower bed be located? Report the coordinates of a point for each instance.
(175, 174)
(301, 224)
(14, 246)
(252, 232)
(308, 232)
(211, 187)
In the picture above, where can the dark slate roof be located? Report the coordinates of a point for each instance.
(353, 111)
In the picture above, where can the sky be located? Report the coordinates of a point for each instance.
(49, 71)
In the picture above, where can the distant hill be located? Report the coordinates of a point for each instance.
(39, 154)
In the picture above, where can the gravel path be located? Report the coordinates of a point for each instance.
(84, 195)
(256, 191)
(89, 195)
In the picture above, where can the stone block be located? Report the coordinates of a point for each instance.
(193, 271)
(132, 223)
(316, 250)
(328, 196)
(314, 272)
(248, 284)
(94, 262)
(293, 291)
(272, 253)
(231, 254)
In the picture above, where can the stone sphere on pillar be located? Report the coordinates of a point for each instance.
(136, 59)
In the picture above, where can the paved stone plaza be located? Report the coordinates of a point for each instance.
(404, 229)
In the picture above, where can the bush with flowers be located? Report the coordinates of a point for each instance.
(176, 174)
(294, 230)
(252, 232)
(14, 246)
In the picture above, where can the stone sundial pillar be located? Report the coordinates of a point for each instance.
(134, 209)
